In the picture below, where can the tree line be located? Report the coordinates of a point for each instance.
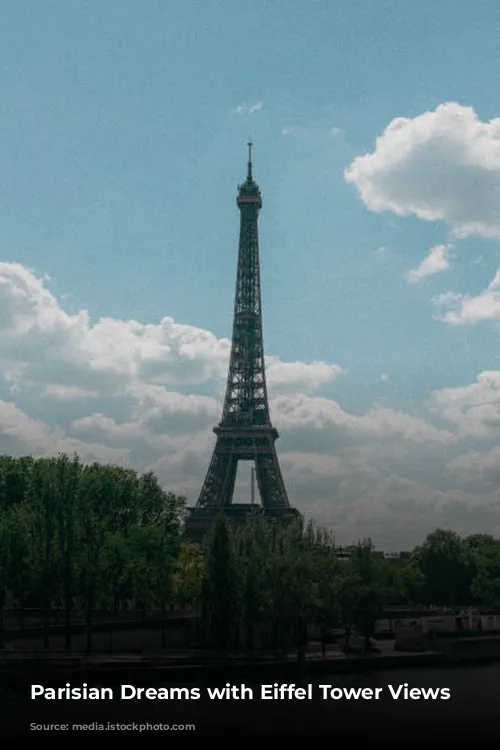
(292, 578)
(83, 537)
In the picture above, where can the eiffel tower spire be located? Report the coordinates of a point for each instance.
(249, 173)
(245, 432)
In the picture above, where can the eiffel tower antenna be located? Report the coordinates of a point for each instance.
(245, 432)
(250, 145)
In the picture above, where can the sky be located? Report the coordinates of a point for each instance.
(376, 124)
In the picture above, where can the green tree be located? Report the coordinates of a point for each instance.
(14, 480)
(92, 505)
(485, 586)
(41, 498)
(158, 549)
(4, 569)
(448, 567)
(364, 590)
(188, 576)
(348, 586)
(221, 585)
(328, 611)
(409, 583)
(66, 479)
(17, 542)
(252, 550)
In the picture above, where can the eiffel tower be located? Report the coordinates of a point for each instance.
(245, 432)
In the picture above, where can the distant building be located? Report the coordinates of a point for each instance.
(399, 558)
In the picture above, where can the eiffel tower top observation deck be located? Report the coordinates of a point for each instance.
(245, 432)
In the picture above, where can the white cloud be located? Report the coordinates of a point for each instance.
(303, 412)
(67, 392)
(299, 376)
(441, 165)
(480, 469)
(436, 262)
(20, 435)
(379, 504)
(69, 356)
(248, 110)
(148, 394)
(288, 129)
(335, 131)
(466, 310)
(474, 408)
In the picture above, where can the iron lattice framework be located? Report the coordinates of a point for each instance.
(245, 432)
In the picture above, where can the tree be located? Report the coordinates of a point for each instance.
(221, 585)
(16, 538)
(188, 576)
(291, 593)
(157, 550)
(447, 564)
(485, 586)
(364, 590)
(326, 607)
(101, 511)
(14, 480)
(41, 498)
(115, 584)
(66, 480)
(407, 584)
(348, 586)
(4, 567)
(253, 550)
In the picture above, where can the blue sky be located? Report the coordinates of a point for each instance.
(122, 140)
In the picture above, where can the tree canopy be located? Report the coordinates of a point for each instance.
(86, 537)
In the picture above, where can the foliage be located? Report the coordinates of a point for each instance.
(91, 536)
(187, 578)
(221, 585)
(447, 565)
(86, 536)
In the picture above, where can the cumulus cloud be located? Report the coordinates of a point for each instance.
(380, 503)
(71, 357)
(463, 309)
(304, 412)
(441, 165)
(21, 435)
(299, 376)
(148, 394)
(66, 392)
(479, 469)
(475, 408)
(436, 262)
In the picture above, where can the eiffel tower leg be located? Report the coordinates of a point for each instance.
(219, 483)
(270, 481)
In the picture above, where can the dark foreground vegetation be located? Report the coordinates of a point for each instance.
(78, 539)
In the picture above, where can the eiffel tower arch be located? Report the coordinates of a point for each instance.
(245, 432)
